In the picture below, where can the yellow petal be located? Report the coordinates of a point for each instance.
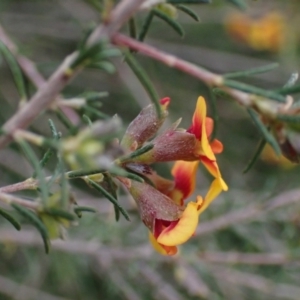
(213, 169)
(201, 108)
(183, 230)
(159, 248)
(215, 189)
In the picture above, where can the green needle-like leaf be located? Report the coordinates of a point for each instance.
(289, 118)
(146, 26)
(87, 120)
(188, 11)
(132, 28)
(106, 66)
(251, 72)
(94, 96)
(107, 195)
(254, 90)
(65, 120)
(175, 25)
(35, 221)
(59, 213)
(256, 155)
(136, 153)
(80, 209)
(94, 111)
(15, 70)
(264, 131)
(145, 81)
(10, 219)
(112, 188)
(289, 90)
(37, 167)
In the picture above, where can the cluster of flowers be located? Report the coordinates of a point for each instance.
(161, 202)
(267, 33)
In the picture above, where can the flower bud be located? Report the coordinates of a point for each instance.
(153, 205)
(144, 126)
(171, 145)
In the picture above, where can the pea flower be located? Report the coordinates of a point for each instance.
(189, 145)
(160, 201)
(268, 33)
(162, 209)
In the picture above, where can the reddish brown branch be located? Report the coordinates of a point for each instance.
(172, 61)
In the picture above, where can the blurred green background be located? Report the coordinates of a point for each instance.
(247, 243)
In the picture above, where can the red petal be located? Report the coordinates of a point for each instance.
(216, 146)
(184, 173)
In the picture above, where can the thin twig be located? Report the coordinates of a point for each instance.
(172, 61)
(248, 258)
(8, 199)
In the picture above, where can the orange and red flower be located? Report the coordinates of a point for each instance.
(188, 145)
(172, 222)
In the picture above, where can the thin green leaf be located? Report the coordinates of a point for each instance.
(48, 154)
(81, 173)
(251, 72)
(87, 55)
(289, 90)
(37, 167)
(132, 28)
(10, 219)
(80, 209)
(65, 120)
(94, 96)
(289, 118)
(95, 112)
(15, 70)
(104, 65)
(64, 187)
(87, 120)
(146, 26)
(145, 81)
(108, 53)
(175, 25)
(59, 213)
(256, 155)
(112, 188)
(264, 131)
(35, 221)
(188, 11)
(239, 4)
(54, 132)
(107, 195)
(136, 153)
(254, 90)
